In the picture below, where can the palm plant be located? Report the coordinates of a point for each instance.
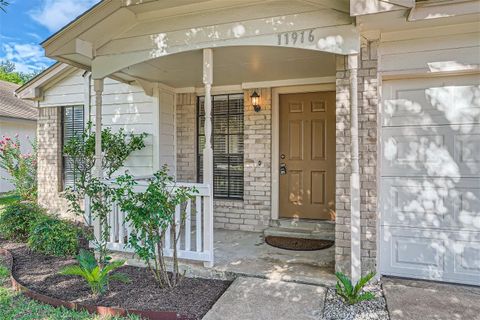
(350, 293)
(98, 278)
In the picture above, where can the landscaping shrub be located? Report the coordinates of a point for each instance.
(17, 219)
(98, 277)
(56, 237)
(21, 167)
(350, 293)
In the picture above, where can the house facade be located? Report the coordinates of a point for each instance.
(365, 114)
(18, 119)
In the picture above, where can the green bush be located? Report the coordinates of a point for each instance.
(55, 237)
(17, 219)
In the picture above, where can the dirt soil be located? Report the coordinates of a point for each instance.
(193, 297)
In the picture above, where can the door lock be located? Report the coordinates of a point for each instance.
(283, 169)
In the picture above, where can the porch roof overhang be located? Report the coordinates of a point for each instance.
(115, 35)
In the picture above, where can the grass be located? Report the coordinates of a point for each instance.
(15, 306)
(7, 199)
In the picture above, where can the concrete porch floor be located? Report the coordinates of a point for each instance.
(246, 254)
(242, 253)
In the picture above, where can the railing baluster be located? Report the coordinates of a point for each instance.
(178, 226)
(198, 226)
(121, 227)
(111, 223)
(188, 225)
(202, 225)
(167, 238)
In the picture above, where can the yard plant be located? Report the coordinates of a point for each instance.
(353, 294)
(80, 152)
(52, 236)
(151, 213)
(21, 167)
(18, 218)
(98, 277)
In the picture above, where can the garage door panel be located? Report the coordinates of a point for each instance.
(430, 179)
(437, 151)
(431, 203)
(451, 100)
(431, 254)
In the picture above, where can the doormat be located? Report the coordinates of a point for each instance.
(298, 244)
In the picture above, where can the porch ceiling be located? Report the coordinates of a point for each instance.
(116, 34)
(236, 65)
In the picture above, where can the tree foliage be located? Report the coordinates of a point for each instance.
(21, 167)
(151, 213)
(3, 5)
(80, 152)
(8, 73)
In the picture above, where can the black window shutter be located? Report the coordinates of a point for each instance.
(73, 122)
(227, 142)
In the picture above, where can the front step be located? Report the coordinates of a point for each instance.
(310, 225)
(319, 230)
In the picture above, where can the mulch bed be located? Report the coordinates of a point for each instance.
(298, 244)
(192, 298)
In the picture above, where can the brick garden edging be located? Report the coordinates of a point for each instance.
(100, 310)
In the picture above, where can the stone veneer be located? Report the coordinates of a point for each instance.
(253, 212)
(367, 107)
(50, 181)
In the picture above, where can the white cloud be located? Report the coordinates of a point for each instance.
(55, 14)
(28, 57)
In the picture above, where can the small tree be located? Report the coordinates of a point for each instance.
(150, 213)
(80, 151)
(21, 167)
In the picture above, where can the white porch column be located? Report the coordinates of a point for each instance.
(98, 87)
(208, 152)
(355, 175)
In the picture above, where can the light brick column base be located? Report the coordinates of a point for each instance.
(367, 105)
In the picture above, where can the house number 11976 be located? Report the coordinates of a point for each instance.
(294, 37)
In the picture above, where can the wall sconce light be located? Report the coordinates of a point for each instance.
(255, 98)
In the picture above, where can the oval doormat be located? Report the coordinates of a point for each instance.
(298, 244)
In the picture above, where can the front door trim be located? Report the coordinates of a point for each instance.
(276, 92)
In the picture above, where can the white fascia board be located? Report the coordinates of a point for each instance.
(445, 10)
(32, 90)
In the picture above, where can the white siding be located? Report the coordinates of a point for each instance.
(125, 106)
(26, 131)
(167, 129)
(446, 48)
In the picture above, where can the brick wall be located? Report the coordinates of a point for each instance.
(50, 160)
(367, 107)
(253, 213)
(186, 142)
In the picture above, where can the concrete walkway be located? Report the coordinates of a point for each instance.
(253, 298)
(425, 300)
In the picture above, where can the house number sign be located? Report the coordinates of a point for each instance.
(296, 37)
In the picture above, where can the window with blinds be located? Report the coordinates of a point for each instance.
(73, 124)
(227, 141)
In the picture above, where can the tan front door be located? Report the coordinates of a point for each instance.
(307, 155)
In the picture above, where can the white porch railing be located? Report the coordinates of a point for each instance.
(196, 236)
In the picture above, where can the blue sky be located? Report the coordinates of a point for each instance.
(29, 22)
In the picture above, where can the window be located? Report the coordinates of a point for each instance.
(73, 123)
(227, 124)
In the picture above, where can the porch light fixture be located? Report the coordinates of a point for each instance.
(255, 98)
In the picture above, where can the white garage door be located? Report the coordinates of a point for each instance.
(430, 179)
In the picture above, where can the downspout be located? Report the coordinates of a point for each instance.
(355, 225)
